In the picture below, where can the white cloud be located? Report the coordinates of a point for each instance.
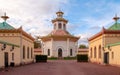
(34, 15)
(84, 38)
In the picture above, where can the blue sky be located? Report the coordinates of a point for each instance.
(86, 17)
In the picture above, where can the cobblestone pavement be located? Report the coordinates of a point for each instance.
(62, 67)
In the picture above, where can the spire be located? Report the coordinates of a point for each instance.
(59, 14)
(116, 18)
(4, 17)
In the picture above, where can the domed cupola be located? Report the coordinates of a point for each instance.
(59, 22)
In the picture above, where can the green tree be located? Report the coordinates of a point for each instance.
(82, 46)
(37, 45)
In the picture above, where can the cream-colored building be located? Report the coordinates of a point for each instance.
(83, 51)
(7, 54)
(23, 54)
(104, 46)
(37, 51)
(59, 43)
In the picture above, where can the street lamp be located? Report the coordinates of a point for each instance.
(109, 48)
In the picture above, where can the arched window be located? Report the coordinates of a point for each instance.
(23, 52)
(12, 56)
(59, 25)
(64, 26)
(99, 53)
(71, 52)
(28, 52)
(91, 52)
(48, 52)
(94, 52)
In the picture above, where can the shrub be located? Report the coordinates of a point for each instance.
(82, 58)
(70, 58)
(41, 58)
(52, 58)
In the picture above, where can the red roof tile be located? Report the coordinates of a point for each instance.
(59, 32)
(37, 50)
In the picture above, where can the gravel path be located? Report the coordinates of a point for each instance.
(62, 67)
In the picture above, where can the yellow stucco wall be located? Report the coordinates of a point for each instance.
(104, 40)
(111, 38)
(16, 38)
(7, 49)
(114, 55)
(28, 43)
(95, 43)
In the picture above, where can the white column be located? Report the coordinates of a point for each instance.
(42, 47)
(68, 52)
(57, 26)
(51, 51)
(76, 47)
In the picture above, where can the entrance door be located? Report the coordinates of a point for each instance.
(6, 59)
(60, 52)
(106, 58)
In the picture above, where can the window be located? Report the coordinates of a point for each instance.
(28, 52)
(12, 56)
(23, 52)
(64, 26)
(48, 52)
(55, 26)
(94, 52)
(112, 55)
(59, 25)
(31, 53)
(71, 52)
(91, 52)
(99, 53)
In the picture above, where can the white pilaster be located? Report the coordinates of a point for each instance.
(51, 51)
(68, 46)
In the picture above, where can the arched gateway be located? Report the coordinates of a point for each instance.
(60, 52)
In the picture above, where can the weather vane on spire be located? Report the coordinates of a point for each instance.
(4, 17)
(116, 18)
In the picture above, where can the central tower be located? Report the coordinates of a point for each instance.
(59, 42)
(59, 22)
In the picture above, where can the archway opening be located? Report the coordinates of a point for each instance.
(60, 52)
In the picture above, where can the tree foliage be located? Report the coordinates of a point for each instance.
(82, 46)
(37, 45)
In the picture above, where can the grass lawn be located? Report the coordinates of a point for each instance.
(65, 58)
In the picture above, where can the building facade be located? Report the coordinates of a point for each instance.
(104, 46)
(59, 43)
(83, 51)
(23, 53)
(7, 53)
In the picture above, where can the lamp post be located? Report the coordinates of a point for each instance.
(109, 48)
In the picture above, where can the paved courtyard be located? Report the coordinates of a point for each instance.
(62, 67)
